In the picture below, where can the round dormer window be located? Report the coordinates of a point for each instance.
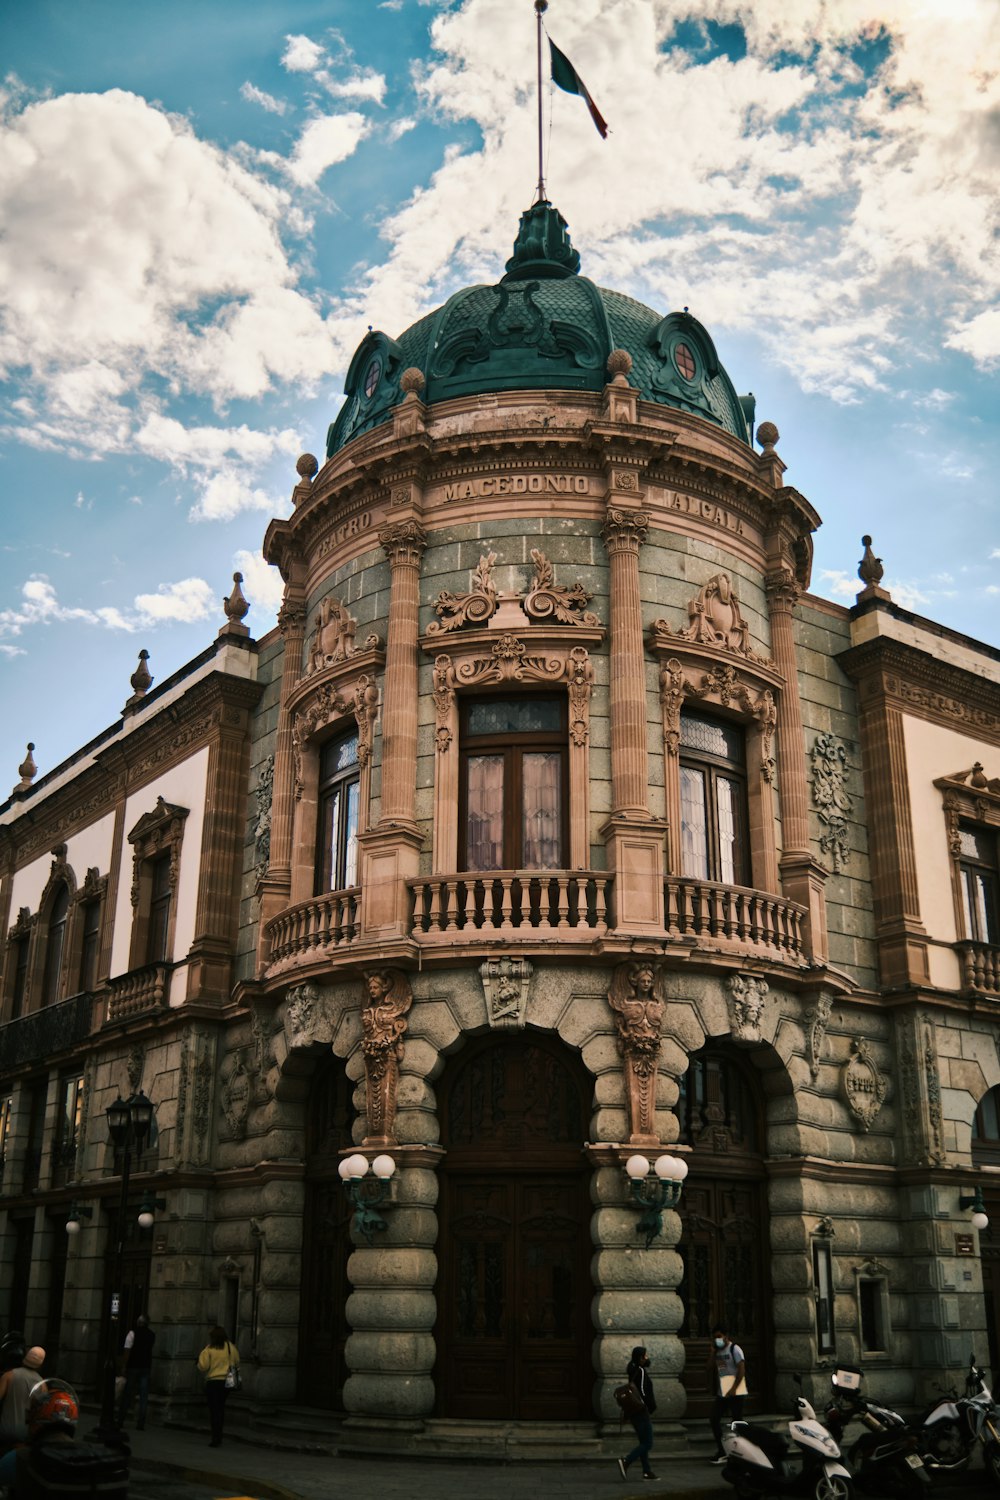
(684, 360)
(372, 376)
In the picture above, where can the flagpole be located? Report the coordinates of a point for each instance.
(540, 7)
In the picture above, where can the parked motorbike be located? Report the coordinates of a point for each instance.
(949, 1430)
(885, 1459)
(758, 1461)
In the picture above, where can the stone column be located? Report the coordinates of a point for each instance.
(275, 884)
(803, 879)
(390, 851)
(634, 840)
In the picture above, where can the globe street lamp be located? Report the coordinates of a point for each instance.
(129, 1122)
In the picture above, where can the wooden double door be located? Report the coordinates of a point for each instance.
(514, 1328)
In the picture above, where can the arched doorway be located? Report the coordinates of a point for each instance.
(514, 1329)
(724, 1238)
(326, 1242)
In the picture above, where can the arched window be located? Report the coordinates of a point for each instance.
(55, 942)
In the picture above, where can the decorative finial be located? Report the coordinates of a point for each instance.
(236, 607)
(141, 679)
(307, 467)
(27, 770)
(543, 248)
(767, 436)
(619, 364)
(412, 380)
(870, 569)
(978, 778)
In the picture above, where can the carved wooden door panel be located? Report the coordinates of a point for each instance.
(514, 1328)
(326, 1242)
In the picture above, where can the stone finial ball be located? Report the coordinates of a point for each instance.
(866, 541)
(412, 380)
(767, 434)
(619, 362)
(307, 466)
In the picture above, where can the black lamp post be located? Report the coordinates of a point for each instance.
(129, 1121)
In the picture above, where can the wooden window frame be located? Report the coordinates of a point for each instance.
(349, 776)
(969, 799)
(158, 834)
(712, 767)
(66, 1170)
(513, 746)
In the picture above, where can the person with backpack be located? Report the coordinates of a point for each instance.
(215, 1361)
(639, 1409)
(728, 1375)
(138, 1350)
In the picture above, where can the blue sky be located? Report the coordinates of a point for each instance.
(206, 204)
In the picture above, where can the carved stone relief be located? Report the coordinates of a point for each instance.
(195, 1087)
(637, 1000)
(383, 1022)
(544, 601)
(235, 1098)
(817, 1019)
(262, 1025)
(715, 619)
(307, 1017)
(472, 608)
(134, 1065)
(333, 639)
(509, 662)
(864, 1085)
(747, 994)
(505, 986)
(831, 799)
(263, 792)
(724, 683)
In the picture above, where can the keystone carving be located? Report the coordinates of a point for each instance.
(746, 1006)
(307, 1017)
(637, 1000)
(383, 1022)
(864, 1085)
(505, 986)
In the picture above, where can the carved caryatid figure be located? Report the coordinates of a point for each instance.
(383, 1020)
(637, 1000)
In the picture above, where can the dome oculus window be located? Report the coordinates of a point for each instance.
(372, 377)
(684, 360)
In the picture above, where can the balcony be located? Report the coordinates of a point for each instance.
(560, 904)
(139, 991)
(980, 964)
(323, 925)
(732, 919)
(45, 1033)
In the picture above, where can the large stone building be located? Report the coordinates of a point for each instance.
(556, 823)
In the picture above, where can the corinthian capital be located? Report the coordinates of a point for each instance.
(403, 543)
(292, 619)
(625, 530)
(782, 588)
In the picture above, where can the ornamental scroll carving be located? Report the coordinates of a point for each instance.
(715, 619)
(505, 986)
(864, 1085)
(383, 1022)
(263, 794)
(510, 661)
(637, 1000)
(817, 1019)
(831, 799)
(725, 684)
(747, 994)
(328, 704)
(157, 832)
(333, 639)
(545, 600)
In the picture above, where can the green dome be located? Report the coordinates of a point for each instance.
(542, 327)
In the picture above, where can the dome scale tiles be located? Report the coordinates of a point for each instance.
(543, 326)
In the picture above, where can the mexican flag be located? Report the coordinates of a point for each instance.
(565, 76)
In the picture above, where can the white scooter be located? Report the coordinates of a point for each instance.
(758, 1461)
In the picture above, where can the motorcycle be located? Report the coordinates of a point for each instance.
(949, 1430)
(885, 1459)
(758, 1462)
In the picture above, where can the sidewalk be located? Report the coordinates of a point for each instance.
(242, 1468)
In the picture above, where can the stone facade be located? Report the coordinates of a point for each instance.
(814, 1037)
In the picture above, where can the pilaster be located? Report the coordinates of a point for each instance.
(275, 885)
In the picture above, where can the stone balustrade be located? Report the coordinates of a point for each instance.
(980, 968)
(326, 922)
(138, 991)
(735, 919)
(503, 901)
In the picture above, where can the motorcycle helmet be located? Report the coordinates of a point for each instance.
(52, 1406)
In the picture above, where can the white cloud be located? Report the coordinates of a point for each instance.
(188, 600)
(838, 584)
(363, 83)
(936, 399)
(401, 127)
(980, 338)
(262, 583)
(225, 493)
(302, 55)
(325, 141)
(253, 95)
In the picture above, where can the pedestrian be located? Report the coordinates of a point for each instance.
(728, 1376)
(214, 1362)
(642, 1421)
(139, 1343)
(15, 1388)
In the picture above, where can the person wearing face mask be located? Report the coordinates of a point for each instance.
(638, 1375)
(728, 1371)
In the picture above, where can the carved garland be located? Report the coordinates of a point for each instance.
(329, 704)
(833, 803)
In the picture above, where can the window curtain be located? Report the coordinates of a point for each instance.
(484, 831)
(540, 828)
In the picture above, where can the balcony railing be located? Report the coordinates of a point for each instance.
(325, 922)
(139, 991)
(980, 968)
(508, 901)
(46, 1032)
(734, 918)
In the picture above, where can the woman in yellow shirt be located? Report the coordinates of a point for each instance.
(214, 1362)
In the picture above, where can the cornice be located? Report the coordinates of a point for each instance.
(892, 672)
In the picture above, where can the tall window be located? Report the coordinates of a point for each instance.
(977, 864)
(160, 898)
(68, 1124)
(20, 989)
(714, 838)
(339, 795)
(90, 944)
(6, 1113)
(55, 941)
(37, 1095)
(513, 784)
